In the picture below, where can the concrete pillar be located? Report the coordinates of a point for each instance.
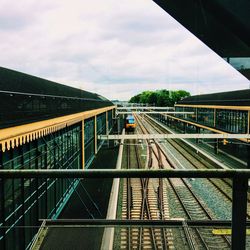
(83, 146)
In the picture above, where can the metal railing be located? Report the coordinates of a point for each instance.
(239, 177)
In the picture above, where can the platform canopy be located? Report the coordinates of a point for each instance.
(223, 25)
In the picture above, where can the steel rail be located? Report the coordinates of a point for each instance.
(140, 235)
(160, 198)
(129, 199)
(160, 164)
(145, 182)
(160, 187)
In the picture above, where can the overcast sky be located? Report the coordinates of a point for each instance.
(114, 48)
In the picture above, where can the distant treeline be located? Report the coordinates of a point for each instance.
(160, 98)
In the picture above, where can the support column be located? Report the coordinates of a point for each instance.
(83, 145)
(22, 221)
(216, 146)
(95, 124)
(107, 122)
(240, 186)
(118, 125)
(184, 127)
(107, 126)
(197, 132)
(248, 155)
(215, 118)
(22, 233)
(37, 182)
(2, 205)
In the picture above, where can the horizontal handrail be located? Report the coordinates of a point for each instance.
(119, 222)
(131, 173)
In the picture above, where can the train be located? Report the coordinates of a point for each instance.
(130, 123)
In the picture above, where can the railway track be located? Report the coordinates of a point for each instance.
(191, 206)
(141, 200)
(223, 186)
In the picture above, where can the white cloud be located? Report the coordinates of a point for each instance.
(115, 48)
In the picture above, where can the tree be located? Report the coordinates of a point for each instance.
(160, 98)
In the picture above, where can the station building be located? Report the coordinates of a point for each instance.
(43, 125)
(226, 112)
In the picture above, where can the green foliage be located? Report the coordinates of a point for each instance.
(160, 98)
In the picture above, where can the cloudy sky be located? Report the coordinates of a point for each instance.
(114, 48)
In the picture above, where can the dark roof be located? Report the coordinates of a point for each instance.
(223, 25)
(15, 81)
(232, 98)
(25, 98)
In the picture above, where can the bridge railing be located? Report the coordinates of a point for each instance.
(239, 199)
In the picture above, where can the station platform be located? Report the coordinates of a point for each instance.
(99, 190)
(222, 157)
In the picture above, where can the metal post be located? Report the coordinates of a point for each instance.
(2, 206)
(22, 233)
(248, 156)
(216, 146)
(197, 132)
(240, 186)
(118, 125)
(83, 145)
(107, 126)
(46, 179)
(37, 183)
(54, 166)
(95, 135)
(22, 221)
(107, 123)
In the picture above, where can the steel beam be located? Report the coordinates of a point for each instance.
(174, 136)
(125, 173)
